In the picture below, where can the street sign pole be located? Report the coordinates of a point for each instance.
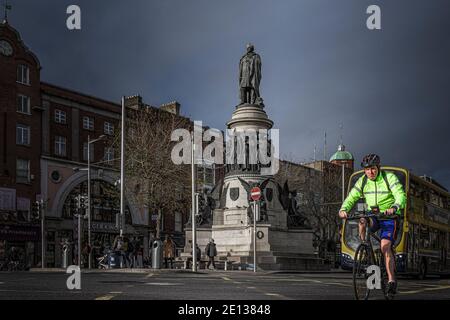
(255, 195)
(255, 205)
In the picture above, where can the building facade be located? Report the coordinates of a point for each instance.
(44, 137)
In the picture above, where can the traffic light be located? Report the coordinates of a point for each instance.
(73, 205)
(83, 202)
(35, 210)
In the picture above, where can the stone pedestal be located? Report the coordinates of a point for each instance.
(204, 234)
(277, 246)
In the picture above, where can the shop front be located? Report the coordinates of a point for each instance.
(22, 240)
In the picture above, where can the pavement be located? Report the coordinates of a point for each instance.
(179, 284)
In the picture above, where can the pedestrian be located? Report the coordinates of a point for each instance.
(168, 251)
(119, 249)
(211, 252)
(130, 253)
(137, 254)
(198, 254)
(85, 254)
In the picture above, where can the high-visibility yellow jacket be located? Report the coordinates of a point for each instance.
(377, 193)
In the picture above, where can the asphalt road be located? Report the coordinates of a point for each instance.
(205, 285)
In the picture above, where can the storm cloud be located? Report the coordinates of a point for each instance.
(321, 67)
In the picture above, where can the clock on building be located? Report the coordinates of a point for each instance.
(5, 48)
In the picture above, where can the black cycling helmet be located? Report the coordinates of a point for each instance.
(370, 160)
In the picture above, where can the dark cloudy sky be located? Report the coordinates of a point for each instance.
(321, 66)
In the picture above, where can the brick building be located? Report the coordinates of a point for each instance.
(43, 155)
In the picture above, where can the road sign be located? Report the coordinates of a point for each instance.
(255, 193)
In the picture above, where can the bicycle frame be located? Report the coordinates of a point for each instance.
(376, 257)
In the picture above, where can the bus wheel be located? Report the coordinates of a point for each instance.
(423, 269)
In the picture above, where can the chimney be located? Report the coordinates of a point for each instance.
(172, 107)
(133, 102)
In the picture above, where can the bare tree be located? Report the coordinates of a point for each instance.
(152, 179)
(319, 189)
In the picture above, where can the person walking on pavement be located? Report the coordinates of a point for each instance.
(198, 254)
(85, 254)
(119, 248)
(130, 252)
(211, 252)
(168, 251)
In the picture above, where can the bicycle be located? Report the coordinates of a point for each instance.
(366, 255)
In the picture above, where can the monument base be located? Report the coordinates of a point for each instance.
(277, 249)
(203, 237)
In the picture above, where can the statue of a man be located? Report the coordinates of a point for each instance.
(250, 76)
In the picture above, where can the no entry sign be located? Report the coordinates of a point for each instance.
(255, 193)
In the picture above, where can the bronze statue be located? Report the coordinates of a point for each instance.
(250, 77)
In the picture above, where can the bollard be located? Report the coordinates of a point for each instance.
(65, 256)
(157, 254)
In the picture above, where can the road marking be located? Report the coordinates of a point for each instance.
(424, 284)
(437, 288)
(338, 283)
(299, 280)
(426, 289)
(251, 287)
(116, 292)
(105, 297)
(163, 284)
(226, 278)
(150, 275)
(276, 295)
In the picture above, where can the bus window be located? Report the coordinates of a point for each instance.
(434, 199)
(424, 237)
(351, 234)
(434, 239)
(353, 180)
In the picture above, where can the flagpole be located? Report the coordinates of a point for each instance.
(7, 7)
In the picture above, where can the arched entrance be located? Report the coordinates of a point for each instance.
(105, 214)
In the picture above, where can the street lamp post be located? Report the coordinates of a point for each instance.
(89, 193)
(122, 169)
(194, 207)
(42, 216)
(89, 200)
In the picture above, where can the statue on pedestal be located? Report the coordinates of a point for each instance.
(288, 201)
(250, 77)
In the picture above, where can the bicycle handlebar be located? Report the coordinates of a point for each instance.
(380, 216)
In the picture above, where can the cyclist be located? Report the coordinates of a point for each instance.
(382, 192)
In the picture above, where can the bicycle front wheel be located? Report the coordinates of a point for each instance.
(363, 259)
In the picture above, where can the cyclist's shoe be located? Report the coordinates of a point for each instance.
(392, 287)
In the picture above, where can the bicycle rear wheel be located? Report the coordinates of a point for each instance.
(363, 259)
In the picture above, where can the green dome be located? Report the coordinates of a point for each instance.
(341, 154)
